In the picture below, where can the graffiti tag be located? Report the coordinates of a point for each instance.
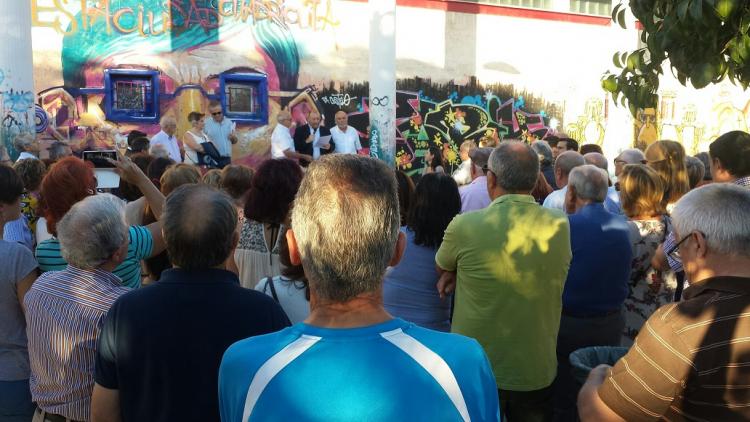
(341, 100)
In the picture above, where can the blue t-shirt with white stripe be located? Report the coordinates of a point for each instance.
(140, 247)
(390, 371)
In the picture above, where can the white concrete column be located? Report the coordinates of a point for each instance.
(16, 73)
(383, 80)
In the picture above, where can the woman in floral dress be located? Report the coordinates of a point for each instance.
(641, 194)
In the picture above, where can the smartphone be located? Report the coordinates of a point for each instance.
(99, 158)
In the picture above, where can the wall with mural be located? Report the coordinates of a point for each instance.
(460, 75)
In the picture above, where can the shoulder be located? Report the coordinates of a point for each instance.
(455, 349)
(350, 130)
(246, 356)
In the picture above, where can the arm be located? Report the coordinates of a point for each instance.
(659, 261)
(24, 285)
(105, 405)
(131, 173)
(189, 140)
(288, 153)
(446, 260)
(590, 406)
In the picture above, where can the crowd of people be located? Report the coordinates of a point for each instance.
(324, 285)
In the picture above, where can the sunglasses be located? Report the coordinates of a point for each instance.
(217, 113)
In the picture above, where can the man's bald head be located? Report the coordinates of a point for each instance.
(313, 119)
(342, 119)
(515, 166)
(204, 239)
(628, 156)
(284, 118)
(596, 159)
(566, 162)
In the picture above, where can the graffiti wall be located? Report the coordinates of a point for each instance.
(460, 75)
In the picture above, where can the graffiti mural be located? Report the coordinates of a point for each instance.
(16, 114)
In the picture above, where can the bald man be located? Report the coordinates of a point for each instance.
(306, 137)
(282, 144)
(344, 136)
(628, 156)
(612, 202)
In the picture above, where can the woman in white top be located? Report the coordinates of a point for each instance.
(267, 208)
(433, 159)
(195, 137)
(290, 289)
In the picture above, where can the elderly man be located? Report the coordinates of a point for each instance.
(462, 175)
(691, 361)
(282, 144)
(511, 260)
(221, 131)
(307, 137)
(628, 156)
(345, 137)
(475, 195)
(144, 372)
(351, 360)
(544, 151)
(166, 138)
(65, 309)
(597, 283)
(59, 150)
(27, 146)
(564, 163)
(612, 202)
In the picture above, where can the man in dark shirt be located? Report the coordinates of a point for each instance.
(160, 348)
(597, 283)
(306, 137)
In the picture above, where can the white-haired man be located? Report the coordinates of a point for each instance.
(597, 283)
(65, 309)
(691, 360)
(282, 143)
(612, 202)
(628, 156)
(462, 175)
(27, 146)
(345, 138)
(166, 137)
(351, 360)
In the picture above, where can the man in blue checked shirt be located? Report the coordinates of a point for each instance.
(351, 360)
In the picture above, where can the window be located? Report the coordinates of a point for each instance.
(131, 95)
(587, 7)
(244, 97)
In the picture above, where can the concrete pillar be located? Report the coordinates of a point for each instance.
(383, 80)
(16, 73)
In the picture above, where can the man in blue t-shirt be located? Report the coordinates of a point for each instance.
(350, 360)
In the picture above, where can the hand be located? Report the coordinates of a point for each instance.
(599, 374)
(128, 170)
(310, 138)
(307, 158)
(233, 138)
(325, 147)
(447, 284)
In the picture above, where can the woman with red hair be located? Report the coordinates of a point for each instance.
(70, 180)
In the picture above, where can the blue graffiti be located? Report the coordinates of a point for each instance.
(18, 101)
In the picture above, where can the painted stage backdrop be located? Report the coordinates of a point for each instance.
(460, 76)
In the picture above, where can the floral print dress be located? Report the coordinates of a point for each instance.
(649, 288)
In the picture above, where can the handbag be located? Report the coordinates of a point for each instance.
(210, 157)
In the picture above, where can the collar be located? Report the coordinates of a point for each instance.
(202, 276)
(515, 198)
(739, 285)
(480, 179)
(743, 181)
(594, 207)
(94, 275)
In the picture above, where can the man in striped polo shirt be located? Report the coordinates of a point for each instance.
(691, 360)
(65, 309)
(350, 360)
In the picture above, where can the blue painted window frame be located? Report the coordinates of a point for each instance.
(258, 80)
(151, 114)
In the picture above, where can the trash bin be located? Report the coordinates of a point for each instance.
(588, 358)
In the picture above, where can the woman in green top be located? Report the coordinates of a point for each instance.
(71, 180)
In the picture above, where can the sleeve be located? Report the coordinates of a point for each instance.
(644, 383)
(669, 243)
(24, 263)
(357, 143)
(447, 256)
(105, 372)
(141, 242)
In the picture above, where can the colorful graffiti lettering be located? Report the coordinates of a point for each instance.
(178, 15)
(341, 100)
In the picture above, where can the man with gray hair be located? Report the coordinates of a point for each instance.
(350, 354)
(612, 201)
(59, 150)
(691, 360)
(508, 263)
(65, 309)
(144, 371)
(282, 144)
(564, 163)
(597, 283)
(27, 146)
(628, 156)
(545, 161)
(166, 138)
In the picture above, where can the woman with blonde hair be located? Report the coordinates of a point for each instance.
(178, 175)
(641, 193)
(668, 159)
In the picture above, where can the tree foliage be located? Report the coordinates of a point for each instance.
(703, 41)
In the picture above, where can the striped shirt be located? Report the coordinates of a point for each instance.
(64, 314)
(140, 247)
(691, 360)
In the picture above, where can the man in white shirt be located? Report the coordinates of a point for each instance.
(27, 146)
(282, 144)
(475, 195)
(345, 138)
(462, 175)
(564, 164)
(166, 138)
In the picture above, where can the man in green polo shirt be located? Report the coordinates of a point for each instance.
(508, 263)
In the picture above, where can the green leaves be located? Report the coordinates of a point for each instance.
(702, 41)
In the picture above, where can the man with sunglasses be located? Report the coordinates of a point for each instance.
(691, 360)
(221, 131)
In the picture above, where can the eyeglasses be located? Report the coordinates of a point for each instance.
(216, 113)
(673, 252)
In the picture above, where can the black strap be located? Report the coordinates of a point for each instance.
(269, 283)
(680, 275)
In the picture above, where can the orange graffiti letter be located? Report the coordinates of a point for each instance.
(56, 24)
(116, 20)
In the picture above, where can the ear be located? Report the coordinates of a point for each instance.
(398, 252)
(235, 238)
(702, 246)
(291, 243)
(570, 200)
(491, 181)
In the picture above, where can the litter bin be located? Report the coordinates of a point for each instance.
(588, 358)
